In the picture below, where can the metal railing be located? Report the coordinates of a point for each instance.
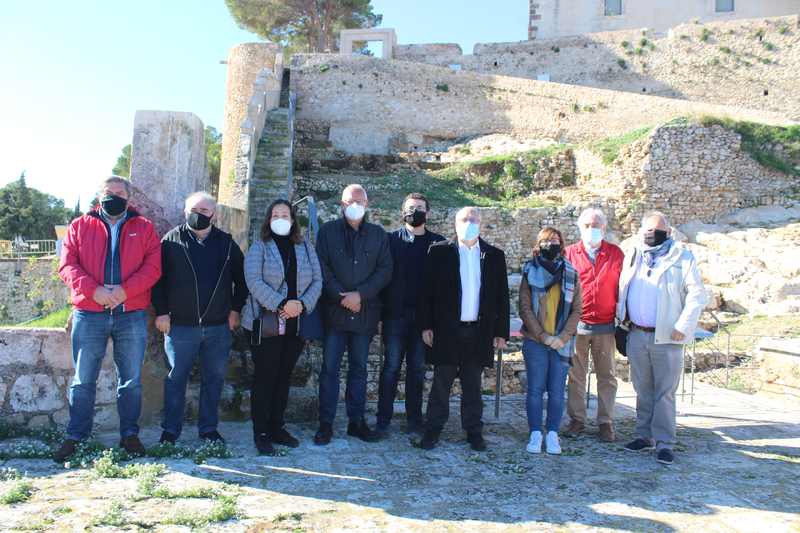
(19, 248)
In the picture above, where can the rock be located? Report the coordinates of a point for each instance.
(761, 215)
(57, 350)
(168, 159)
(61, 417)
(19, 347)
(35, 392)
(106, 387)
(106, 418)
(714, 298)
(39, 422)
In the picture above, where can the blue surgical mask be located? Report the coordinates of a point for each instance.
(592, 237)
(469, 231)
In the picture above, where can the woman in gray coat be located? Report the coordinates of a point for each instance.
(284, 278)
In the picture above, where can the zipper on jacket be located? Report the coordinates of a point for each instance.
(196, 285)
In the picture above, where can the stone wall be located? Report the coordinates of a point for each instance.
(554, 18)
(29, 288)
(376, 106)
(728, 63)
(169, 148)
(245, 63)
(690, 172)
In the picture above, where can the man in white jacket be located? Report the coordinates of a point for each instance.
(661, 298)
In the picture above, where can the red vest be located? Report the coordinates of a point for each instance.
(599, 281)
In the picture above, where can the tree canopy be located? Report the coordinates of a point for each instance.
(303, 25)
(123, 166)
(213, 141)
(30, 213)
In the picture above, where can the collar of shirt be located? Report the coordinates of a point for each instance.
(108, 220)
(462, 246)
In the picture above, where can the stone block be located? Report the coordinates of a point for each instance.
(61, 417)
(57, 350)
(106, 387)
(39, 422)
(106, 418)
(35, 392)
(168, 158)
(19, 347)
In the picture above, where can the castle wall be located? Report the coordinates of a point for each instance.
(558, 18)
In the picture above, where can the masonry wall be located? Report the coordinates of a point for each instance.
(29, 288)
(556, 18)
(376, 106)
(729, 62)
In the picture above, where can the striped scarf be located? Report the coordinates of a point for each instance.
(540, 279)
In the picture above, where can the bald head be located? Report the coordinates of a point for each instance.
(655, 220)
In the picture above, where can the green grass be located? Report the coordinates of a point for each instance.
(745, 333)
(20, 492)
(225, 508)
(757, 137)
(609, 148)
(56, 319)
(112, 516)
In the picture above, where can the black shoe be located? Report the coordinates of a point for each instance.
(665, 456)
(167, 438)
(263, 445)
(212, 436)
(65, 451)
(133, 446)
(639, 445)
(415, 428)
(382, 430)
(324, 434)
(429, 440)
(284, 438)
(476, 442)
(362, 431)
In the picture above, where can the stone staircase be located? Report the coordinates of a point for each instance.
(272, 167)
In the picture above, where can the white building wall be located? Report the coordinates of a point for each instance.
(557, 18)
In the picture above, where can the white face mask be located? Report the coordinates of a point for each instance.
(354, 212)
(592, 237)
(468, 231)
(280, 226)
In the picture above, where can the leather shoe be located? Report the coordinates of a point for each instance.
(476, 442)
(263, 445)
(65, 451)
(133, 446)
(429, 440)
(324, 434)
(574, 429)
(606, 433)
(284, 438)
(361, 430)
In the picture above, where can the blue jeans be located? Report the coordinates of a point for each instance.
(402, 340)
(546, 371)
(184, 345)
(90, 334)
(356, 394)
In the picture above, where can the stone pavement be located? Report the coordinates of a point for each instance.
(737, 469)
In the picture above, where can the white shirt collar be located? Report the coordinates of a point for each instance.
(468, 248)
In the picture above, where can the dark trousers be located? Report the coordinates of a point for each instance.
(274, 360)
(401, 340)
(357, 346)
(469, 372)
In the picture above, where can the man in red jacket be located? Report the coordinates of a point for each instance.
(599, 264)
(110, 259)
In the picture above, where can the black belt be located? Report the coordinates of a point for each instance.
(648, 330)
(472, 324)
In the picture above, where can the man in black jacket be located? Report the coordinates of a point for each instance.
(198, 302)
(356, 266)
(463, 313)
(401, 337)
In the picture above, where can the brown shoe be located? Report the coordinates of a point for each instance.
(606, 433)
(574, 429)
(133, 446)
(65, 451)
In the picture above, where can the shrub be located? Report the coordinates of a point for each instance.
(622, 63)
(705, 35)
(725, 50)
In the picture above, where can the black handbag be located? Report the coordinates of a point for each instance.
(266, 323)
(621, 339)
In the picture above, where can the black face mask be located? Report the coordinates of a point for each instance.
(550, 251)
(655, 237)
(112, 205)
(198, 221)
(415, 218)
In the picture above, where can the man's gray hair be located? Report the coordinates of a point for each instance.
(197, 197)
(591, 212)
(468, 209)
(115, 179)
(355, 187)
(653, 214)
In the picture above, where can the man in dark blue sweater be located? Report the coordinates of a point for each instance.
(401, 338)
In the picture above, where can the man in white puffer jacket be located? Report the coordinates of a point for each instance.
(661, 297)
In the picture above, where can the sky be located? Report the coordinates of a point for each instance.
(73, 73)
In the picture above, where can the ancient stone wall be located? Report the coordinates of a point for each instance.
(376, 106)
(245, 63)
(29, 288)
(745, 63)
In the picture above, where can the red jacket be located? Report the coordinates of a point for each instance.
(599, 281)
(83, 258)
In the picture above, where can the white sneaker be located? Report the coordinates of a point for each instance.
(535, 444)
(553, 446)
